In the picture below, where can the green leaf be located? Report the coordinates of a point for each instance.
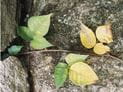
(14, 50)
(25, 33)
(40, 43)
(39, 24)
(73, 58)
(61, 73)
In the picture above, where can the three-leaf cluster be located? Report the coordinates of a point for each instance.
(79, 72)
(103, 34)
(38, 27)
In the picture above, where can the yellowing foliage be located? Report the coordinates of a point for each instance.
(82, 74)
(104, 34)
(87, 37)
(101, 49)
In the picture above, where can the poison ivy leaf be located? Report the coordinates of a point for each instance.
(82, 74)
(73, 58)
(101, 49)
(39, 24)
(25, 33)
(40, 43)
(60, 74)
(104, 33)
(87, 37)
(14, 50)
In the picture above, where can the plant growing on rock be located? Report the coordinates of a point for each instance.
(75, 67)
(34, 33)
(79, 72)
(38, 27)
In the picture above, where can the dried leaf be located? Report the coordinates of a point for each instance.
(104, 34)
(82, 74)
(87, 37)
(101, 49)
(73, 58)
(61, 72)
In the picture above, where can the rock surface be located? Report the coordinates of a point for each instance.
(13, 77)
(8, 22)
(108, 68)
(64, 31)
(42, 68)
(110, 72)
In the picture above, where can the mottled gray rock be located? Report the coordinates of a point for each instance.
(13, 77)
(41, 68)
(8, 22)
(110, 72)
(108, 68)
(64, 31)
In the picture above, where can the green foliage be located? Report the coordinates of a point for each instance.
(40, 43)
(25, 33)
(38, 27)
(61, 73)
(14, 50)
(73, 58)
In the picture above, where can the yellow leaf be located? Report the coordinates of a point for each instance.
(82, 74)
(101, 49)
(104, 33)
(87, 37)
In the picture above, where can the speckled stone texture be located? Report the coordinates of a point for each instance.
(8, 22)
(108, 68)
(13, 77)
(64, 33)
(65, 27)
(64, 30)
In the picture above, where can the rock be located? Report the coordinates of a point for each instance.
(108, 68)
(64, 33)
(8, 22)
(64, 30)
(13, 77)
(36, 6)
(41, 69)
